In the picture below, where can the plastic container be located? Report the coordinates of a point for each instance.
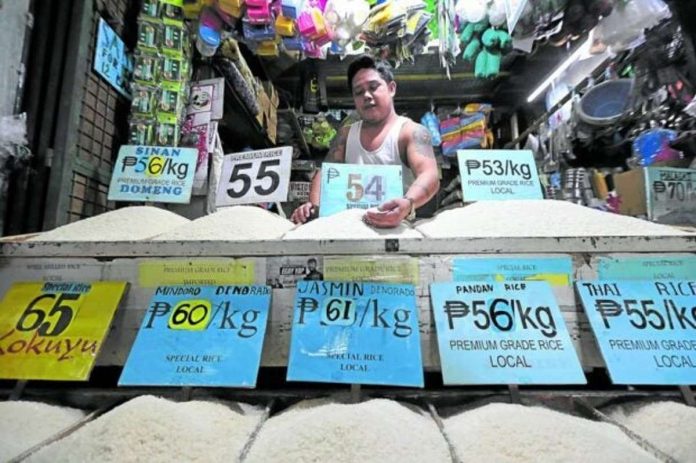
(208, 40)
(605, 103)
(292, 8)
(285, 26)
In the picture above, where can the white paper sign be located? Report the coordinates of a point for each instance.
(252, 177)
(514, 9)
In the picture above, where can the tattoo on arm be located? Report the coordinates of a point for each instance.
(337, 150)
(423, 141)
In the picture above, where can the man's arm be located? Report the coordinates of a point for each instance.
(337, 153)
(421, 160)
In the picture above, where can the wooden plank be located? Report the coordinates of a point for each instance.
(686, 243)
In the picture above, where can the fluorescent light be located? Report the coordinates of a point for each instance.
(561, 69)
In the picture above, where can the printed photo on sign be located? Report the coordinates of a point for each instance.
(54, 331)
(254, 177)
(646, 330)
(498, 175)
(285, 272)
(351, 186)
(200, 336)
(502, 333)
(355, 333)
(154, 174)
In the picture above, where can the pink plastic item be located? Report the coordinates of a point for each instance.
(259, 15)
(305, 25)
(210, 19)
(258, 3)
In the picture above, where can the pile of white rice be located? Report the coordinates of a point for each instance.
(669, 426)
(26, 424)
(374, 431)
(238, 223)
(127, 224)
(151, 429)
(348, 225)
(536, 218)
(506, 433)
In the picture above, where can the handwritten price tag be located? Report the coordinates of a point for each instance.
(646, 330)
(671, 195)
(200, 336)
(502, 333)
(360, 333)
(54, 331)
(255, 177)
(153, 173)
(352, 186)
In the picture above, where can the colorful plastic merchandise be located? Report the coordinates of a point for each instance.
(398, 29)
(161, 74)
(468, 131)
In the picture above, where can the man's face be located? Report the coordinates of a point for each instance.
(372, 95)
(311, 265)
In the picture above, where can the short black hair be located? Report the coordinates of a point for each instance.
(367, 62)
(312, 259)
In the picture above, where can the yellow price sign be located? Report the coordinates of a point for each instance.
(192, 315)
(54, 331)
(155, 166)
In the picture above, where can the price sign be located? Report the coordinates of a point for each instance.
(498, 175)
(353, 186)
(111, 61)
(153, 173)
(54, 331)
(200, 336)
(356, 333)
(502, 333)
(646, 330)
(255, 177)
(671, 195)
(557, 271)
(662, 267)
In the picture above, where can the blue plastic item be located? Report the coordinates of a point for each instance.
(604, 104)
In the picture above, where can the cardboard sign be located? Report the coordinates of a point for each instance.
(153, 174)
(359, 333)
(377, 269)
(255, 177)
(557, 271)
(224, 271)
(353, 186)
(502, 333)
(671, 195)
(111, 60)
(646, 330)
(54, 331)
(498, 175)
(200, 336)
(663, 267)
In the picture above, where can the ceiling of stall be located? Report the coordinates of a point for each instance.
(426, 81)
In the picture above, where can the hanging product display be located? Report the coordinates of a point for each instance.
(161, 74)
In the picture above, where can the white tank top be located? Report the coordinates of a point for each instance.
(387, 154)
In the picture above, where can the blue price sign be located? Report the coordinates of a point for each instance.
(355, 333)
(646, 330)
(352, 186)
(111, 61)
(200, 336)
(662, 267)
(557, 271)
(153, 173)
(502, 333)
(498, 175)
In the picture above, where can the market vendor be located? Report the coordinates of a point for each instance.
(380, 137)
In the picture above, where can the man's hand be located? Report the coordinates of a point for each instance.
(389, 214)
(304, 213)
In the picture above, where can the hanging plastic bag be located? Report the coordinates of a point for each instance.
(627, 22)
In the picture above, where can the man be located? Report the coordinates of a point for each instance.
(380, 137)
(312, 272)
